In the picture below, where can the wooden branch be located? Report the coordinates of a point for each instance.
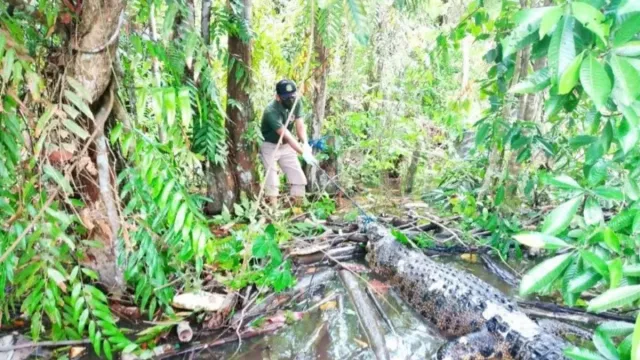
(567, 313)
(44, 344)
(366, 315)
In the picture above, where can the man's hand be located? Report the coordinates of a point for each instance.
(307, 155)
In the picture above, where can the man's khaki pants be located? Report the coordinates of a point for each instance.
(287, 158)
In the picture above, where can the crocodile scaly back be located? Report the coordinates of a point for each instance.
(457, 303)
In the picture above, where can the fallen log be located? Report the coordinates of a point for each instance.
(343, 253)
(366, 314)
(561, 312)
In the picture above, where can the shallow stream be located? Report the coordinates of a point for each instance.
(333, 331)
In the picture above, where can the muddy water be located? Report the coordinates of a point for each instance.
(333, 332)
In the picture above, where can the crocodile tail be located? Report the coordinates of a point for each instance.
(481, 345)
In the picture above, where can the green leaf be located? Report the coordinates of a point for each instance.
(627, 30)
(55, 275)
(544, 273)
(58, 178)
(564, 182)
(79, 88)
(592, 212)
(609, 193)
(36, 326)
(75, 128)
(106, 346)
(631, 270)
(95, 341)
(614, 298)
(611, 239)
(591, 18)
(596, 263)
(635, 229)
(626, 80)
(595, 81)
(82, 321)
(549, 20)
(43, 121)
(577, 353)
(625, 347)
(628, 130)
(538, 240)
(630, 49)
(597, 173)
(185, 106)
(170, 106)
(533, 83)
(627, 7)
(605, 346)
(499, 196)
(79, 103)
(584, 281)
(631, 189)
(562, 49)
(9, 57)
(92, 329)
(615, 273)
(635, 347)
(260, 248)
(130, 348)
(558, 220)
(569, 78)
(528, 22)
(616, 328)
(180, 216)
(71, 111)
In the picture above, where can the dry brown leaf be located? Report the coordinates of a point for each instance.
(361, 343)
(77, 351)
(309, 249)
(328, 305)
(378, 286)
(472, 258)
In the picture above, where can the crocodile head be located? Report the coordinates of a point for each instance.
(384, 253)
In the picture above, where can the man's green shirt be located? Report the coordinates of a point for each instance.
(274, 117)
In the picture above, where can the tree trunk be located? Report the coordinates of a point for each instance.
(413, 168)
(220, 182)
(242, 152)
(92, 66)
(319, 103)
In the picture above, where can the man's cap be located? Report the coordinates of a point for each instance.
(285, 88)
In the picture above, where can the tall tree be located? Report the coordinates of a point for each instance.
(97, 34)
(319, 97)
(236, 173)
(242, 154)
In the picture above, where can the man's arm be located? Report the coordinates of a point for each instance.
(288, 139)
(301, 130)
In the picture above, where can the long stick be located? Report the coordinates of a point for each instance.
(44, 344)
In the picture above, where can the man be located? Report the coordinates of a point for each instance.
(273, 119)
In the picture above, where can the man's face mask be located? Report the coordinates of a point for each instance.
(288, 103)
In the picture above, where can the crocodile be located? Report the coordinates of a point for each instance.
(476, 319)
